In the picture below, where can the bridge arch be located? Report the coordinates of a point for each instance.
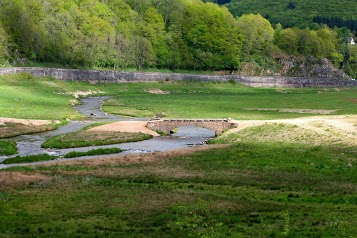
(168, 125)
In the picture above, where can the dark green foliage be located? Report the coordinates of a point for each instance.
(29, 159)
(298, 13)
(7, 147)
(103, 151)
(337, 22)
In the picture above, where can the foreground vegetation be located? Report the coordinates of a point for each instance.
(102, 151)
(271, 180)
(7, 147)
(246, 189)
(29, 159)
(8, 150)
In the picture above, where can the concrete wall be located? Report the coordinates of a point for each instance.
(107, 76)
(218, 126)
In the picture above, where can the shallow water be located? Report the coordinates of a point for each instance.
(91, 108)
(184, 137)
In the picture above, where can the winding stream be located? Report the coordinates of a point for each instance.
(91, 108)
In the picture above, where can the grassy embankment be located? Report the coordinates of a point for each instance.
(85, 137)
(46, 157)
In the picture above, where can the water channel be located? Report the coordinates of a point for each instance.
(91, 108)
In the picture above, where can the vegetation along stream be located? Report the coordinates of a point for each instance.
(91, 107)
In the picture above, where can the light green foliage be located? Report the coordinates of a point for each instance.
(351, 64)
(171, 34)
(121, 34)
(258, 33)
(211, 34)
(319, 44)
(154, 30)
(3, 45)
(288, 40)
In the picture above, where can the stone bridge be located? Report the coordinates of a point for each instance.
(168, 125)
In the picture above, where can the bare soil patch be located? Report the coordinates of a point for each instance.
(24, 121)
(354, 100)
(308, 111)
(156, 91)
(78, 94)
(126, 126)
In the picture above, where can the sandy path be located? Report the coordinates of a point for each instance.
(25, 121)
(126, 126)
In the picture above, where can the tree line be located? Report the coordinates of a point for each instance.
(170, 34)
(350, 24)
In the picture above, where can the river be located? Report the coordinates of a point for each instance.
(91, 108)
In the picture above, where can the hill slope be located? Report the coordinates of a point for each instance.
(295, 12)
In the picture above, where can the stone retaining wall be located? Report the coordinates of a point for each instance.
(168, 125)
(108, 76)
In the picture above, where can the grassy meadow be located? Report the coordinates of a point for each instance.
(241, 190)
(23, 96)
(268, 180)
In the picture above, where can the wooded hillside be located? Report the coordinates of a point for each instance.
(164, 34)
(299, 13)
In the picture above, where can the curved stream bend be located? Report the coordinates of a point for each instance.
(91, 107)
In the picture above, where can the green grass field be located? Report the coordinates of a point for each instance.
(270, 180)
(245, 190)
(23, 96)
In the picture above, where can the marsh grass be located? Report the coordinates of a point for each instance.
(103, 151)
(14, 129)
(7, 147)
(92, 138)
(29, 159)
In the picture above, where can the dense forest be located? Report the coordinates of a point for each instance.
(295, 13)
(169, 34)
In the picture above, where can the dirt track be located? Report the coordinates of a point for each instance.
(126, 126)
